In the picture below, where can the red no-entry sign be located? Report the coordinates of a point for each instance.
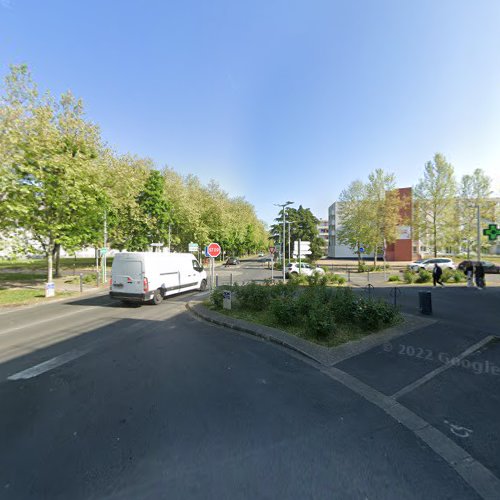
(213, 250)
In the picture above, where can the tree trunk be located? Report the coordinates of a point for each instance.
(57, 259)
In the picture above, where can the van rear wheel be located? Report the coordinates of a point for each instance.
(157, 297)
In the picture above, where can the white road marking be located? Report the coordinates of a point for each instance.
(458, 430)
(452, 363)
(36, 370)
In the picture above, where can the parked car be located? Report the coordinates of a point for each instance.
(428, 264)
(293, 269)
(232, 261)
(489, 267)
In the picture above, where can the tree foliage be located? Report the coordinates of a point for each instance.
(58, 182)
(435, 204)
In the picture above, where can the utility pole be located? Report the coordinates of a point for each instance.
(289, 249)
(478, 233)
(283, 206)
(105, 246)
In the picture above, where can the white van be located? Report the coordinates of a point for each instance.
(151, 276)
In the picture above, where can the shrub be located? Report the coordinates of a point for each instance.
(409, 276)
(253, 297)
(342, 304)
(298, 279)
(424, 276)
(319, 320)
(217, 297)
(284, 310)
(316, 279)
(393, 277)
(447, 275)
(375, 314)
(332, 278)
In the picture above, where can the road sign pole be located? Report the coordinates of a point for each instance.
(478, 234)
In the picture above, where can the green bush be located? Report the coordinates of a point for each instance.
(375, 314)
(393, 277)
(332, 278)
(284, 310)
(252, 296)
(447, 275)
(342, 305)
(298, 279)
(318, 319)
(217, 297)
(409, 276)
(424, 276)
(316, 279)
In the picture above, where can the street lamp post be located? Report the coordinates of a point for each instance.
(289, 231)
(478, 233)
(284, 205)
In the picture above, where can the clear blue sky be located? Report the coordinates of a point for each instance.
(276, 100)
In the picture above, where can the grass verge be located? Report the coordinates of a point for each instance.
(21, 296)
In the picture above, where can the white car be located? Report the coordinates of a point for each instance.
(293, 269)
(428, 264)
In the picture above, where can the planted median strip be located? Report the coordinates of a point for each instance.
(317, 313)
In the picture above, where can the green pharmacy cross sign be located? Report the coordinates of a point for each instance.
(492, 232)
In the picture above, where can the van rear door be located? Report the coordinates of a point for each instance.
(127, 276)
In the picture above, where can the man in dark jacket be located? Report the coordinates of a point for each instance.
(436, 275)
(479, 275)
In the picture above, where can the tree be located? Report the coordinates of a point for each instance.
(48, 145)
(435, 204)
(384, 210)
(155, 212)
(475, 190)
(304, 227)
(354, 227)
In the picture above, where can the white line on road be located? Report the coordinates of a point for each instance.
(453, 362)
(36, 370)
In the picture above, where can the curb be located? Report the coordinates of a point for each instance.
(326, 356)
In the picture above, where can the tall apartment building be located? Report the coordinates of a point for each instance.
(323, 229)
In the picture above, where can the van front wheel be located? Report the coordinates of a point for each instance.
(203, 285)
(157, 297)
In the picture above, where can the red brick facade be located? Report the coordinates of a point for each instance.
(402, 249)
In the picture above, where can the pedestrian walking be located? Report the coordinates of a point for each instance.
(436, 275)
(479, 272)
(469, 272)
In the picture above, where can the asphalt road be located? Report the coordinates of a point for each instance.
(104, 401)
